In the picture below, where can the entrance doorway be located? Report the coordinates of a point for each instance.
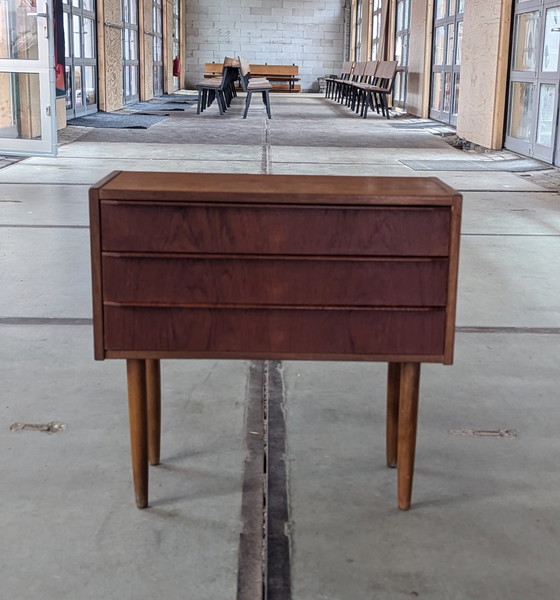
(446, 60)
(27, 85)
(80, 51)
(532, 123)
(130, 51)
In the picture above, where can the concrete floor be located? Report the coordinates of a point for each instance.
(486, 510)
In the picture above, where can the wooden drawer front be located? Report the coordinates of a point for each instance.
(291, 282)
(280, 332)
(262, 229)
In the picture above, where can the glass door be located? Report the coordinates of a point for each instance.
(534, 78)
(27, 78)
(446, 60)
(80, 57)
(157, 19)
(130, 51)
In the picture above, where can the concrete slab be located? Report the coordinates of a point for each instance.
(334, 155)
(151, 152)
(70, 528)
(43, 204)
(45, 272)
(477, 528)
(69, 170)
(508, 281)
(513, 213)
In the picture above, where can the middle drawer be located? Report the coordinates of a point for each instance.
(242, 280)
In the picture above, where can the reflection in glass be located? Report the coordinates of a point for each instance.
(451, 9)
(459, 47)
(89, 38)
(525, 40)
(456, 94)
(447, 93)
(78, 86)
(76, 30)
(89, 81)
(18, 31)
(440, 9)
(439, 45)
(20, 109)
(546, 111)
(437, 91)
(521, 110)
(551, 40)
(460, 7)
(67, 46)
(450, 43)
(68, 83)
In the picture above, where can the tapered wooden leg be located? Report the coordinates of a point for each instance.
(153, 388)
(393, 393)
(138, 417)
(408, 419)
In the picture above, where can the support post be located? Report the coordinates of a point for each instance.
(138, 418)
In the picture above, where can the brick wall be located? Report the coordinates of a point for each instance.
(308, 33)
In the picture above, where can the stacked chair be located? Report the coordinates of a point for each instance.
(364, 85)
(221, 89)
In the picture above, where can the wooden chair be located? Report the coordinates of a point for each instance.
(360, 88)
(331, 82)
(376, 94)
(220, 88)
(252, 84)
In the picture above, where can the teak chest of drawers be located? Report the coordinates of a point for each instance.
(193, 265)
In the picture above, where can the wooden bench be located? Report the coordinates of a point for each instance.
(283, 78)
(230, 266)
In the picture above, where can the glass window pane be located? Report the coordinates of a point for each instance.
(459, 43)
(89, 38)
(133, 51)
(77, 44)
(447, 93)
(439, 45)
(547, 95)
(525, 40)
(78, 86)
(437, 91)
(68, 83)
(134, 81)
(440, 9)
(456, 94)
(18, 31)
(521, 110)
(551, 40)
(90, 85)
(460, 6)
(20, 109)
(66, 27)
(450, 44)
(89, 5)
(400, 15)
(451, 8)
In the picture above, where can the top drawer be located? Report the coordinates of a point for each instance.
(275, 229)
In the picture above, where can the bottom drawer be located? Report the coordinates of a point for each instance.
(282, 333)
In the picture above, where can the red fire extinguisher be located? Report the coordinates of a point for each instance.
(176, 67)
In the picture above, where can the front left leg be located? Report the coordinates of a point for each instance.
(138, 417)
(408, 421)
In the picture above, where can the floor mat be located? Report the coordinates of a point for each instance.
(117, 120)
(514, 165)
(421, 125)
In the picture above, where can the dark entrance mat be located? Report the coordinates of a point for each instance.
(117, 121)
(420, 125)
(513, 165)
